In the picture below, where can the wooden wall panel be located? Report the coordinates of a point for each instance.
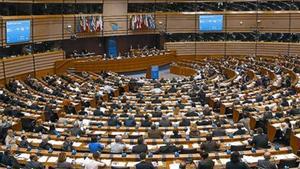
(232, 48)
(295, 24)
(182, 23)
(210, 48)
(47, 60)
(2, 30)
(270, 22)
(294, 49)
(1, 71)
(68, 20)
(53, 27)
(182, 48)
(17, 66)
(115, 13)
(47, 27)
(272, 49)
(240, 22)
(237, 48)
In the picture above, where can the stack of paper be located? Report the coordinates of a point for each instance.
(23, 156)
(174, 166)
(43, 159)
(195, 145)
(224, 160)
(107, 162)
(52, 160)
(131, 164)
(118, 164)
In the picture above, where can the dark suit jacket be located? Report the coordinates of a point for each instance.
(144, 165)
(266, 164)
(240, 132)
(191, 114)
(140, 148)
(155, 134)
(167, 149)
(10, 161)
(206, 164)
(146, 123)
(45, 146)
(238, 165)
(209, 146)
(219, 132)
(260, 141)
(33, 164)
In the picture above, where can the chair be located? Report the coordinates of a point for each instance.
(188, 151)
(238, 148)
(119, 167)
(288, 162)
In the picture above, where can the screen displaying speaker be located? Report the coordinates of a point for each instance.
(18, 31)
(210, 23)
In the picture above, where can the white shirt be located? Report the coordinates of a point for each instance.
(92, 164)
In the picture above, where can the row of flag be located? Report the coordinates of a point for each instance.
(142, 22)
(89, 24)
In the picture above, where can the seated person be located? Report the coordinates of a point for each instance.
(39, 128)
(219, 131)
(146, 122)
(94, 163)
(168, 148)
(194, 132)
(82, 111)
(220, 120)
(156, 100)
(141, 147)
(24, 142)
(33, 163)
(205, 162)
(165, 122)
(206, 110)
(45, 145)
(235, 162)
(266, 163)
(163, 107)
(130, 121)
(191, 113)
(118, 146)
(154, 133)
(9, 160)
(294, 111)
(185, 122)
(10, 139)
(176, 133)
(76, 130)
(113, 121)
(98, 112)
(209, 145)
(94, 145)
(260, 140)
(240, 130)
(143, 164)
(68, 144)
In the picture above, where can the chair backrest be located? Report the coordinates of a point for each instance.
(189, 151)
(120, 167)
(238, 148)
(288, 162)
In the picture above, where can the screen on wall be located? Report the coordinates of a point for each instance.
(211, 23)
(18, 31)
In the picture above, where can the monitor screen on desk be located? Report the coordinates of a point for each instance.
(210, 23)
(18, 31)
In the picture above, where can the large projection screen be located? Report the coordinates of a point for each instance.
(18, 31)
